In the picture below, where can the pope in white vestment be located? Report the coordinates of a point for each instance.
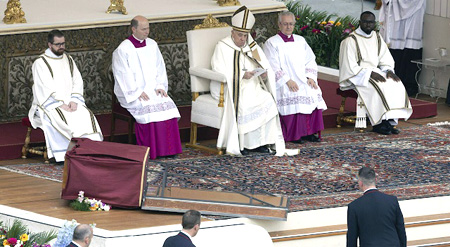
(299, 98)
(367, 67)
(141, 87)
(58, 106)
(250, 120)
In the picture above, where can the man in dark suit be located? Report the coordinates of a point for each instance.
(191, 225)
(375, 218)
(82, 236)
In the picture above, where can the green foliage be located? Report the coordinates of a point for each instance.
(79, 206)
(323, 35)
(19, 232)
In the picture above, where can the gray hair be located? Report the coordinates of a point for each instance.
(285, 13)
(81, 232)
(367, 176)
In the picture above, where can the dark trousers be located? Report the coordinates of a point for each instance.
(405, 69)
(448, 93)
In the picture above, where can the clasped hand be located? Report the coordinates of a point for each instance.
(390, 74)
(293, 86)
(71, 107)
(250, 74)
(145, 97)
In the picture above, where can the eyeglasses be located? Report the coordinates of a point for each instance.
(288, 24)
(59, 44)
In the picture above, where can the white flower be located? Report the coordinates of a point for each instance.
(106, 207)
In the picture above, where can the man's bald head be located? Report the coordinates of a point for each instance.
(140, 27)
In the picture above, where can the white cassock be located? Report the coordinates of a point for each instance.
(58, 81)
(402, 23)
(294, 61)
(378, 100)
(138, 70)
(250, 117)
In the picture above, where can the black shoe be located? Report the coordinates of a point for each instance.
(393, 129)
(311, 138)
(245, 152)
(382, 128)
(262, 149)
(299, 141)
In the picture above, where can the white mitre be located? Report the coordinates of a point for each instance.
(243, 20)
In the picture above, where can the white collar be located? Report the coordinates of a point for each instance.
(140, 40)
(49, 53)
(372, 188)
(359, 31)
(187, 234)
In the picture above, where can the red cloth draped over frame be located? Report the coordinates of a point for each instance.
(111, 172)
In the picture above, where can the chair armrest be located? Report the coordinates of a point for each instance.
(207, 74)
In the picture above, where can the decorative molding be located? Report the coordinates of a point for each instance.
(210, 22)
(14, 13)
(117, 5)
(223, 3)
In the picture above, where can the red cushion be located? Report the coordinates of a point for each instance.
(347, 93)
(26, 122)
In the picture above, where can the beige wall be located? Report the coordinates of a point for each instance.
(436, 33)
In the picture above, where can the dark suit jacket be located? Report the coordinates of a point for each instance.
(72, 245)
(179, 240)
(377, 220)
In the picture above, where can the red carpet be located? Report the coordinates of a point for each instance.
(13, 134)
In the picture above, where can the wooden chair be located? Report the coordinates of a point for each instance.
(341, 116)
(26, 149)
(118, 112)
(205, 109)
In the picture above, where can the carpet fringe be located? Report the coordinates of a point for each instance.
(439, 123)
(28, 174)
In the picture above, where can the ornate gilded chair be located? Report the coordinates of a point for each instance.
(341, 115)
(26, 149)
(205, 109)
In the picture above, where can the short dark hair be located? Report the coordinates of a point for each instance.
(134, 23)
(190, 219)
(366, 13)
(367, 175)
(52, 34)
(81, 232)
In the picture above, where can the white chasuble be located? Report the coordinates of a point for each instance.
(58, 81)
(359, 55)
(294, 61)
(138, 70)
(250, 115)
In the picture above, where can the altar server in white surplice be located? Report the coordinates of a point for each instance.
(141, 87)
(250, 121)
(58, 105)
(367, 67)
(401, 26)
(299, 98)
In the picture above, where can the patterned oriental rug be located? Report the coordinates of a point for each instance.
(414, 164)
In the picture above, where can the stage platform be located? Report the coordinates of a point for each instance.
(37, 203)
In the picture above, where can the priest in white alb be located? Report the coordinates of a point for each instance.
(141, 87)
(58, 106)
(299, 98)
(366, 66)
(250, 121)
